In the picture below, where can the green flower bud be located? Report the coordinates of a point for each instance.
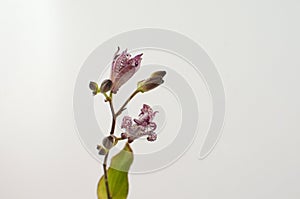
(152, 82)
(106, 86)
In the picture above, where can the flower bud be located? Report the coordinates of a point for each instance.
(124, 136)
(94, 87)
(108, 142)
(102, 150)
(105, 86)
(152, 82)
(159, 74)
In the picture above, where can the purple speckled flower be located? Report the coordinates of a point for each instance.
(123, 68)
(143, 126)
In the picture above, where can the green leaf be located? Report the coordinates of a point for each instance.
(117, 175)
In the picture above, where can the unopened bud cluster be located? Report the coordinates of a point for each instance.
(104, 87)
(107, 143)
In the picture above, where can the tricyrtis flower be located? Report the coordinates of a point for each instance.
(142, 126)
(123, 68)
(146, 117)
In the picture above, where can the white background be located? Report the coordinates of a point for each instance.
(254, 44)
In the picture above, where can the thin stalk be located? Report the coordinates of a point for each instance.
(113, 123)
(105, 176)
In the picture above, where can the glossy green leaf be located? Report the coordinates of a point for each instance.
(117, 175)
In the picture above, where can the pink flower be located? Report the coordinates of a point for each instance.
(123, 68)
(146, 116)
(143, 126)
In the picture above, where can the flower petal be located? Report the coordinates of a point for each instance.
(126, 122)
(152, 137)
